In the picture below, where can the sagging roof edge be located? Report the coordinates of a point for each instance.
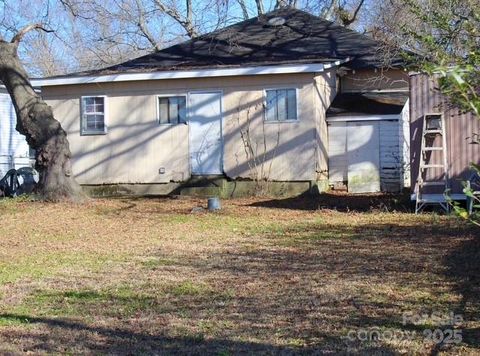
(184, 74)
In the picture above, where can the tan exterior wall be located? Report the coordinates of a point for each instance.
(136, 146)
(367, 80)
(325, 89)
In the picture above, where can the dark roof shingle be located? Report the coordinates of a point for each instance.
(303, 38)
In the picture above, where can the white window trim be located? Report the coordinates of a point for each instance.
(84, 132)
(283, 121)
(182, 74)
(169, 96)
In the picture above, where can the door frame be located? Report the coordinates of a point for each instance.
(189, 116)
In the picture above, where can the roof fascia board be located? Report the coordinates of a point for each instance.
(376, 91)
(182, 74)
(363, 118)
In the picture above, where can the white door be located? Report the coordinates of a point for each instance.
(363, 157)
(337, 152)
(205, 120)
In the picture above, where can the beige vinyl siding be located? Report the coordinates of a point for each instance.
(136, 146)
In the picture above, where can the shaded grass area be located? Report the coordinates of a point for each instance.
(151, 276)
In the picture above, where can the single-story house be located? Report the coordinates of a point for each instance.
(14, 150)
(285, 97)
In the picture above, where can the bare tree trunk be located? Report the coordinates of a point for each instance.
(35, 120)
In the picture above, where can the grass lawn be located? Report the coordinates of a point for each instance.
(132, 276)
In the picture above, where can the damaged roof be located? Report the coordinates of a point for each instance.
(284, 36)
(360, 104)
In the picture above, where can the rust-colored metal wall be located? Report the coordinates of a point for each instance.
(425, 98)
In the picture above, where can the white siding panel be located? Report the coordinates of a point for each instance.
(363, 145)
(14, 152)
(404, 135)
(337, 152)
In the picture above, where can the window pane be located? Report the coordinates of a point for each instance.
(99, 108)
(182, 109)
(93, 114)
(99, 122)
(94, 123)
(271, 105)
(291, 104)
(281, 105)
(173, 110)
(163, 110)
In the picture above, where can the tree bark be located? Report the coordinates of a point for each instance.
(43, 133)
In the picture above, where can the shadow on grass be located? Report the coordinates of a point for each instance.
(302, 277)
(464, 270)
(341, 202)
(67, 334)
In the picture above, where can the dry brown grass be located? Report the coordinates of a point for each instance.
(149, 276)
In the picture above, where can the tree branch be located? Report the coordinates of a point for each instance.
(355, 13)
(347, 21)
(20, 34)
(142, 26)
(243, 6)
(185, 22)
(260, 8)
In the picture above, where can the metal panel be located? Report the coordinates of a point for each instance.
(363, 146)
(425, 98)
(337, 152)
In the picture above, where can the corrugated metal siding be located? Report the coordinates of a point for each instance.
(425, 98)
(14, 152)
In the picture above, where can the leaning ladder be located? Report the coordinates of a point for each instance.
(433, 126)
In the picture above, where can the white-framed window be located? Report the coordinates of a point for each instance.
(94, 111)
(281, 105)
(172, 109)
